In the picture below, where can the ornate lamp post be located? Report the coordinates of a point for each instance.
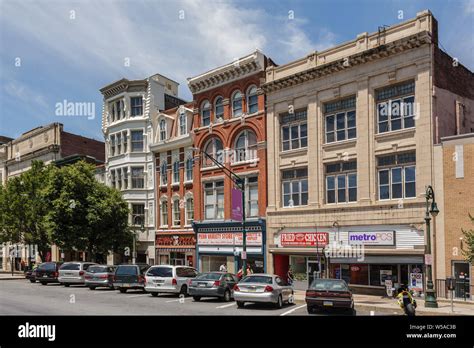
(142, 229)
(430, 294)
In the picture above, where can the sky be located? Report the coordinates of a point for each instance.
(57, 50)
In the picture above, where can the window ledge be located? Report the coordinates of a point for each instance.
(163, 186)
(175, 184)
(163, 226)
(290, 153)
(396, 134)
(188, 182)
(339, 144)
(203, 169)
(255, 160)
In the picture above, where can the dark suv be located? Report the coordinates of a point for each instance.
(129, 276)
(48, 272)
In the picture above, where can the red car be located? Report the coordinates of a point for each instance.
(329, 294)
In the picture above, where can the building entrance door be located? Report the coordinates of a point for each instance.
(463, 279)
(313, 270)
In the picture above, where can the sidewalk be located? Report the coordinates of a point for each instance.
(8, 275)
(374, 303)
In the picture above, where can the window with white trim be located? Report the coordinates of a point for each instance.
(119, 178)
(396, 107)
(164, 173)
(245, 146)
(138, 214)
(340, 120)
(112, 145)
(118, 137)
(213, 148)
(341, 182)
(294, 184)
(125, 177)
(236, 104)
(112, 178)
(162, 130)
(214, 200)
(176, 171)
(205, 113)
(189, 169)
(294, 131)
(137, 140)
(136, 106)
(183, 128)
(125, 141)
(397, 176)
(176, 212)
(189, 210)
(251, 195)
(138, 178)
(219, 108)
(252, 100)
(164, 212)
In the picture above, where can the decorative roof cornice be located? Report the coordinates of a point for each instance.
(121, 86)
(366, 56)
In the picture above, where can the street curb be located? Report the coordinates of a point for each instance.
(10, 278)
(400, 311)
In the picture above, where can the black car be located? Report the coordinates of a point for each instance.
(48, 272)
(213, 284)
(130, 276)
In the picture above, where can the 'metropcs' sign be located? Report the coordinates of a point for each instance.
(372, 238)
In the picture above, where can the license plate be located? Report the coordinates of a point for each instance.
(45, 276)
(327, 303)
(126, 285)
(201, 285)
(252, 290)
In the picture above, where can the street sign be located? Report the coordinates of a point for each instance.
(244, 255)
(428, 259)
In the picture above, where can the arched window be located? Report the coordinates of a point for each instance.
(252, 100)
(189, 169)
(163, 173)
(176, 171)
(236, 104)
(176, 212)
(245, 146)
(189, 210)
(214, 149)
(183, 127)
(205, 113)
(164, 213)
(162, 130)
(219, 108)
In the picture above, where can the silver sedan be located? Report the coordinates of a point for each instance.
(260, 287)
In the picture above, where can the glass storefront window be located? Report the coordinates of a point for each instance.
(177, 259)
(212, 263)
(298, 265)
(378, 274)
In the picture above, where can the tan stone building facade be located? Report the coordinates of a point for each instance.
(350, 150)
(454, 163)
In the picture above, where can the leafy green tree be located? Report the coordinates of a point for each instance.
(24, 207)
(86, 215)
(469, 240)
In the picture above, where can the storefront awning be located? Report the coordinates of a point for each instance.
(297, 251)
(180, 250)
(399, 259)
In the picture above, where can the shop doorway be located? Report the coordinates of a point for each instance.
(314, 270)
(461, 272)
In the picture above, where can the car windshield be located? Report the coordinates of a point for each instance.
(166, 272)
(257, 279)
(329, 285)
(97, 269)
(71, 267)
(47, 266)
(126, 270)
(208, 276)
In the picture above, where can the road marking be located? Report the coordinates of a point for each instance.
(227, 305)
(138, 295)
(292, 310)
(177, 300)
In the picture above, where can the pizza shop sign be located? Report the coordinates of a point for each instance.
(304, 239)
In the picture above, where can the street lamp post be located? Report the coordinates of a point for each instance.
(430, 296)
(142, 229)
(239, 182)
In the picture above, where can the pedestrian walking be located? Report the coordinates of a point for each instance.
(290, 277)
(223, 268)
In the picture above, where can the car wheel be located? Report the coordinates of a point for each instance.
(279, 303)
(92, 287)
(154, 294)
(226, 297)
(197, 298)
(311, 310)
(43, 283)
(123, 290)
(240, 304)
(66, 285)
(32, 281)
(184, 290)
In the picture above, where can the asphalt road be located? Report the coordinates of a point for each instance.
(20, 297)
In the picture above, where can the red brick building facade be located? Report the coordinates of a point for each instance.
(229, 125)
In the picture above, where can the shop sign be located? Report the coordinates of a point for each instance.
(416, 281)
(372, 238)
(355, 268)
(428, 259)
(304, 239)
(253, 238)
(385, 274)
(175, 240)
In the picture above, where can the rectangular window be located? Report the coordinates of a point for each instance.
(341, 182)
(189, 169)
(253, 104)
(138, 178)
(125, 142)
(176, 213)
(397, 176)
(396, 107)
(150, 214)
(251, 183)
(112, 145)
(136, 106)
(119, 179)
(119, 143)
(182, 124)
(164, 213)
(138, 214)
(112, 178)
(294, 131)
(125, 178)
(295, 187)
(189, 210)
(214, 200)
(176, 172)
(137, 140)
(340, 120)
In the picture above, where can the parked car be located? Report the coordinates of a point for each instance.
(213, 284)
(329, 294)
(30, 274)
(100, 276)
(261, 287)
(169, 279)
(48, 272)
(130, 276)
(73, 272)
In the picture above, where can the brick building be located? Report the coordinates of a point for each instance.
(351, 132)
(454, 174)
(230, 125)
(172, 149)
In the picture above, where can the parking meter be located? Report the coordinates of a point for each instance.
(450, 283)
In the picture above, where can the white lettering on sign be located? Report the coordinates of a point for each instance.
(304, 238)
(372, 238)
(253, 238)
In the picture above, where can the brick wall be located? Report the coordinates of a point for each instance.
(72, 144)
